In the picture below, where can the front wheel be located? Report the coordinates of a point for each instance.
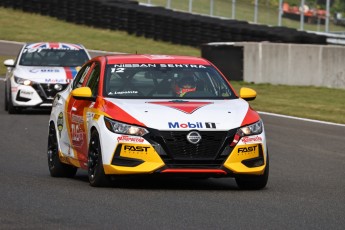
(56, 167)
(254, 182)
(97, 177)
(9, 103)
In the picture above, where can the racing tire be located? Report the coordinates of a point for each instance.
(253, 182)
(10, 107)
(56, 167)
(97, 177)
(6, 98)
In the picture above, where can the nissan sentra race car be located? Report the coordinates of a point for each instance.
(156, 114)
(39, 72)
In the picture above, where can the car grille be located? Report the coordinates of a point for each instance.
(47, 91)
(177, 151)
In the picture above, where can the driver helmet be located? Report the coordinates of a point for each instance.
(185, 85)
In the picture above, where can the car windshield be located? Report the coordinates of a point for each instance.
(53, 57)
(166, 81)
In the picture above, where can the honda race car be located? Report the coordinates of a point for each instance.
(39, 72)
(156, 114)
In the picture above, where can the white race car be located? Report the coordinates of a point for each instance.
(39, 72)
(156, 114)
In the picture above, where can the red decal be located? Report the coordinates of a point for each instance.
(251, 117)
(119, 114)
(69, 73)
(186, 107)
(54, 45)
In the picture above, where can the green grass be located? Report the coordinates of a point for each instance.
(308, 102)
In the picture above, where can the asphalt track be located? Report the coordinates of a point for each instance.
(306, 188)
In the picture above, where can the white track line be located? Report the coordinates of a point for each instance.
(302, 119)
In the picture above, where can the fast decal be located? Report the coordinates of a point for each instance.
(130, 139)
(251, 139)
(137, 149)
(183, 106)
(60, 123)
(247, 150)
(192, 125)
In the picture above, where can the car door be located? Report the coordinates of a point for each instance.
(78, 113)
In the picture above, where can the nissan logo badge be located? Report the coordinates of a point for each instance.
(194, 137)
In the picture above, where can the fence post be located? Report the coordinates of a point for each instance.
(211, 7)
(256, 11)
(168, 4)
(327, 16)
(280, 14)
(301, 10)
(190, 7)
(233, 9)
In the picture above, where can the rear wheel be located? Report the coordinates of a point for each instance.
(254, 182)
(56, 167)
(97, 177)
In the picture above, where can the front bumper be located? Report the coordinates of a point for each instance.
(36, 95)
(168, 152)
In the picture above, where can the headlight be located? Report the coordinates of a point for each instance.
(22, 81)
(118, 127)
(252, 129)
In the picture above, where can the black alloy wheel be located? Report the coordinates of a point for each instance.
(97, 177)
(56, 167)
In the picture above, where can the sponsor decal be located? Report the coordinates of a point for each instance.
(250, 149)
(96, 117)
(251, 139)
(26, 93)
(54, 81)
(36, 70)
(191, 125)
(183, 106)
(132, 139)
(77, 119)
(120, 68)
(77, 135)
(139, 149)
(60, 123)
(123, 92)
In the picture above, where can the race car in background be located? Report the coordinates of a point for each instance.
(156, 114)
(39, 72)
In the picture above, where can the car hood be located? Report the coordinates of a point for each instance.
(183, 114)
(41, 74)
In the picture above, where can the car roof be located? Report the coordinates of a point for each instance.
(149, 58)
(54, 45)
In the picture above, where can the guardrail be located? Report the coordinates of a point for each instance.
(160, 23)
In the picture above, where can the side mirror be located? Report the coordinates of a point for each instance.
(247, 94)
(82, 93)
(9, 63)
